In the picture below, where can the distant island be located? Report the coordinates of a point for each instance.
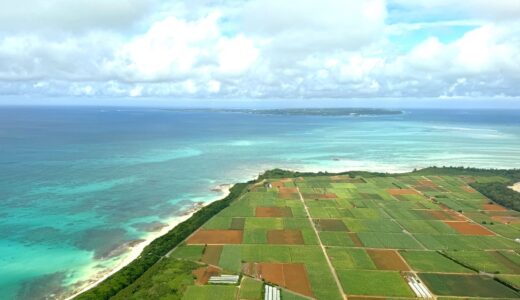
(406, 234)
(333, 112)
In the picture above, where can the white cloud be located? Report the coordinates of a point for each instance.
(64, 15)
(258, 49)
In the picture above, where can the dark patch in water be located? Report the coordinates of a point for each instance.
(103, 241)
(149, 226)
(42, 287)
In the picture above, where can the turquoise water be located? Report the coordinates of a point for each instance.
(78, 183)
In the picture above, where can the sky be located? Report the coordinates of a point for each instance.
(255, 50)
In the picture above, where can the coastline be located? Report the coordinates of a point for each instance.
(136, 250)
(226, 190)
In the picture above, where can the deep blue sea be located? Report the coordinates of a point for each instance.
(78, 184)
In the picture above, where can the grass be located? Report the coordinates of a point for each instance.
(343, 258)
(334, 238)
(430, 261)
(192, 252)
(168, 278)
(388, 240)
(230, 259)
(490, 262)
(251, 289)
(208, 292)
(374, 283)
(367, 209)
(466, 286)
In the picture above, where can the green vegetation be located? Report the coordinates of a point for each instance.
(499, 193)
(374, 283)
(352, 211)
(167, 279)
(158, 248)
(467, 286)
(208, 292)
(429, 261)
(251, 289)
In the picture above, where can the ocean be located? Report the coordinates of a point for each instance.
(80, 185)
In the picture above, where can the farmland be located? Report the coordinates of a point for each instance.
(356, 236)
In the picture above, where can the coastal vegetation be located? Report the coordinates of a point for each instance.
(379, 231)
(159, 248)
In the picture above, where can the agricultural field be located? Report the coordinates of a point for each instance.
(331, 237)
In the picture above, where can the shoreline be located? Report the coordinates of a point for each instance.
(135, 251)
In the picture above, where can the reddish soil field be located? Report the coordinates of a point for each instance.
(446, 215)
(296, 279)
(468, 189)
(291, 276)
(506, 219)
(203, 274)
(216, 237)
(387, 260)
(469, 228)
(354, 237)
(277, 184)
(271, 272)
(285, 237)
(493, 207)
(273, 212)
(237, 223)
(288, 193)
(330, 225)
(394, 192)
(211, 254)
(427, 183)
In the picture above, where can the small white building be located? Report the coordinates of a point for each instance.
(224, 279)
(271, 293)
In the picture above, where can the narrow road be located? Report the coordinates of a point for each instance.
(332, 270)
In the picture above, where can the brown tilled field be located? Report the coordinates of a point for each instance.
(467, 228)
(237, 223)
(427, 183)
(291, 276)
(445, 215)
(355, 238)
(395, 192)
(493, 207)
(204, 273)
(296, 279)
(387, 260)
(506, 219)
(273, 212)
(288, 193)
(330, 225)
(285, 237)
(216, 237)
(211, 254)
(277, 184)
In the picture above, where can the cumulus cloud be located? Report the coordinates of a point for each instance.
(259, 49)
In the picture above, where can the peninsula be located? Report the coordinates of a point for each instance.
(430, 233)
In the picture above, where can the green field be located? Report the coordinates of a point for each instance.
(374, 283)
(467, 286)
(349, 214)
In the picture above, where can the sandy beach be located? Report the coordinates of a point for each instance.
(136, 250)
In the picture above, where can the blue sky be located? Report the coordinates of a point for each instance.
(131, 51)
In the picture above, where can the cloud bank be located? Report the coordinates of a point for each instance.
(261, 48)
